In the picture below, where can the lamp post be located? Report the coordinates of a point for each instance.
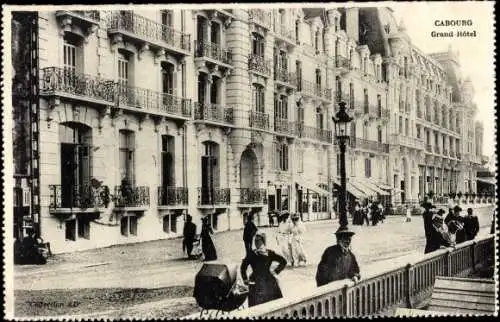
(341, 121)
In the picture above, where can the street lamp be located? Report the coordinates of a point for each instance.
(341, 121)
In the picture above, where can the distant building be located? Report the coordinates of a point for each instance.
(147, 115)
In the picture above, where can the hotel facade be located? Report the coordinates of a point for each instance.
(126, 121)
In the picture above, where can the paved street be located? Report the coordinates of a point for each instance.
(159, 264)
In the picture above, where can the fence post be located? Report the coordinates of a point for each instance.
(473, 253)
(448, 263)
(345, 304)
(409, 283)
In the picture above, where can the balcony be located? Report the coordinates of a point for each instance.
(283, 77)
(313, 133)
(141, 31)
(259, 120)
(260, 17)
(147, 101)
(213, 113)
(62, 82)
(131, 197)
(259, 65)
(252, 196)
(212, 53)
(407, 141)
(284, 126)
(172, 196)
(357, 143)
(342, 62)
(78, 198)
(314, 90)
(214, 197)
(285, 33)
(86, 20)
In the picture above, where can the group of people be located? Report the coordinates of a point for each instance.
(372, 211)
(203, 242)
(31, 250)
(447, 231)
(337, 262)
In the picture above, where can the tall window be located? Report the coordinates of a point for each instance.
(281, 156)
(379, 105)
(209, 170)
(407, 127)
(298, 70)
(258, 45)
(167, 78)
(368, 168)
(365, 130)
(316, 41)
(400, 125)
(406, 67)
(338, 86)
(168, 160)
(72, 53)
(318, 78)
(123, 68)
(351, 95)
(319, 119)
(170, 223)
(300, 160)
(281, 107)
(365, 101)
(127, 157)
(258, 98)
(300, 114)
(128, 226)
(379, 135)
(297, 31)
(167, 18)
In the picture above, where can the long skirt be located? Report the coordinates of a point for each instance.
(298, 253)
(265, 289)
(284, 247)
(208, 247)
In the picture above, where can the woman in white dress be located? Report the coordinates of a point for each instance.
(297, 240)
(283, 234)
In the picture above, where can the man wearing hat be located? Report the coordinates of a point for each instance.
(189, 233)
(471, 225)
(460, 235)
(436, 234)
(338, 262)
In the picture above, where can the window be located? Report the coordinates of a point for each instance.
(298, 71)
(406, 67)
(73, 53)
(407, 127)
(338, 86)
(318, 78)
(419, 135)
(379, 105)
(170, 223)
(351, 95)
(365, 65)
(128, 226)
(365, 102)
(258, 98)
(300, 114)
(258, 45)
(379, 135)
(368, 168)
(300, 160)
(297, 31)
(127, 157)
(400, 125)
(167, 77)
(166, 18)
(319, 119)
(365, 130)
(83, 228)
(167, 161)
(70, 229)
(123, 69)
(316, 41)
(281, 157)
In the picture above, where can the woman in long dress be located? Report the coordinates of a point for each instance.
(297, 240)
(263, 283)
(283, 237)
(207, 245)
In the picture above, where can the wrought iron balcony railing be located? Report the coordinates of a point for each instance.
(313, 133)
(78, 196)
(284, 126)
(261, 17)
(369, 145)
(283, 75)
(214, 196)
(154, 101)
(130, 196)
(68, 81)
(316, 90)
(208, 49)
(213, 112)
(148, 29)
(85, 14)
(259, 120)
(253, 196)
(407, 141)
(259, 64)
(172, 196)
(342, 62)
(285, 31)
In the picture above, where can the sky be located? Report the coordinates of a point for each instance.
(476, 54)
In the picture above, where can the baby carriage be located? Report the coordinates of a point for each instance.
(216, 288)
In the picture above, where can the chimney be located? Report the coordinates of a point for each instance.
(352, 23)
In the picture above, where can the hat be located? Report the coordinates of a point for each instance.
(437, 217)
(457, 208)
(295, 216)
(441, 211)
(344, 231)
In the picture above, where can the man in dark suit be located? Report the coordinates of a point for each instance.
(338, 262)
(189, 234)
(471, 225)
(249, 232)
(460, 236)
(435, 232)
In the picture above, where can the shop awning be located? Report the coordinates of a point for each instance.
(373, 187)
(352, 189)
(312, 187)
(367, 191)
(384, 186)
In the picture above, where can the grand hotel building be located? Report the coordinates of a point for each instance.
(126, 121)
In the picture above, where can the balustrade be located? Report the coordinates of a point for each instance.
(342, 62)
(55, 80)
(283, 75)
(78, 196)
(89, 14)
(316, 90)
(214, 51)
(381, 289)
(313, 133)
(148, 29)
(259, 64)
(259, 120)
(130, 196)
(213, 112)
(369, 145)
(261, 17)
(253, 196)
(213, 196)
(284, 126)
(172, 196)
(285, 31)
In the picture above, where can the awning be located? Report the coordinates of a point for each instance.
(487, 180)
(352, 190)
(373, 187)
(313, 187)
(384, 186)
(367, 191)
